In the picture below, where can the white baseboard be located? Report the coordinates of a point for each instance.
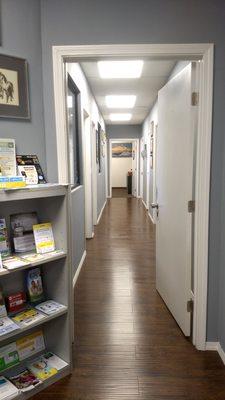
(212, 346)
(151, 218)
(216, 346)
(79, 268)
(99, 217)
(144, 204)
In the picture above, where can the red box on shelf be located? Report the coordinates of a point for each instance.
(15, 302)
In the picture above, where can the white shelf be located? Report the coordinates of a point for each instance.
(54, 257)
(33, 192)
(42, 321)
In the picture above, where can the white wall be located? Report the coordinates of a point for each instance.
(120, 167)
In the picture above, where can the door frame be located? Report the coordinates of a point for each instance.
(192, 51)
(123, 140)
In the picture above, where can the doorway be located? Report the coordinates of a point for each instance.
(192, 52)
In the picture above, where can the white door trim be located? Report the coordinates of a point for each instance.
(122, 140)
(192, 51)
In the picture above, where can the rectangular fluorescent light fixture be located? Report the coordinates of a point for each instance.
(120, 117)
(120, 101)
(120, 69)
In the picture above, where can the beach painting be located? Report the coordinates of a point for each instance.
(121, 150)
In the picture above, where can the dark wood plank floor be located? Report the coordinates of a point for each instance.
(128, 346)
(120, 192)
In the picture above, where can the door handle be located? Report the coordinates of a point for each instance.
(154, 205)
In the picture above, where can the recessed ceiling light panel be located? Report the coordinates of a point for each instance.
(120, 117)
(120, 101)
(120, 69)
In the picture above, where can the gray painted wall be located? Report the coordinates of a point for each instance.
(21, 37)
(87, 22)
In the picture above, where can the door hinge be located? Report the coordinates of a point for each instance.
(194, 98)
(190, 306)
(191, 206)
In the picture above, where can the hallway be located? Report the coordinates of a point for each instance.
(128, 346)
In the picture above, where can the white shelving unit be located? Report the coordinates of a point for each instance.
(51, 202)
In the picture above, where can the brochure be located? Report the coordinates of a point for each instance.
(4, 243)
(14, 262)
(3, 312)
(34, 257)
(16, 302)
(50, 307)
(28, 317)
(41, 368)
(22, 231)
(7, 326)
(25, 381)
(54, 361)
(7, 389)
(29, 172)
(7, 157)
(34, 285)
(30, 345)
(1, 265)
(31, 161)
(8, 356)
(44, 238)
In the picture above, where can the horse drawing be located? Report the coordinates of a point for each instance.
(6, 88)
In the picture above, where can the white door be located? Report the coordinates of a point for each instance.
(134, 169)
(175, 149)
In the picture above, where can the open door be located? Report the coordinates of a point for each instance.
(175, 190)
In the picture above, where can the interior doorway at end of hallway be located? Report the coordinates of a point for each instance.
(124, 167)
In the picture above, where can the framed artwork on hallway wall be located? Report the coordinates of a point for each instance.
(14, 94)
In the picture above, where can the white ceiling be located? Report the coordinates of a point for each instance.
(154, 76)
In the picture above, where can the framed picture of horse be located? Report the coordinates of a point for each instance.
(14, 94)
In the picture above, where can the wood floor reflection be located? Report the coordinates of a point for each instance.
(128, 346)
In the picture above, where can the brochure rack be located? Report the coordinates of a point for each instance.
(51, 202)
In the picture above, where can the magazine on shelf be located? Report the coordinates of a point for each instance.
(7, 389)
(25, 381)
(7, 157)
(14, 262)
(54, 361)
(7, 326)
(28, 317)
(16, 302)
(8, 356)
(50, 307)
(44, 238)
(31, 344)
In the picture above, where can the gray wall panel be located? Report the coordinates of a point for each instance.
(78, 234)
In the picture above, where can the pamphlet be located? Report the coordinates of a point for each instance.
(3, 312)
(7, 326)
(8, 356)
(7, 157)
(30, 345)
(35, 258)
(34, 285)
(4, 243)
(14, 262)
(7, 390)
(29, 167)
(50, 307)
(12, 182)
(29, 172)
(44, 238)
(54, 361)
(25, 381)
(22, 231)
(41, 368)
(15, 302)
(28, 317)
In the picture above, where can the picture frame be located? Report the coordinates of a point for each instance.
(14, 92)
